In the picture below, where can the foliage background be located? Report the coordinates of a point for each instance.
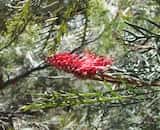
(33, 29)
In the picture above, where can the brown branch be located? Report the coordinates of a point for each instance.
(22, 75)
(120, 79)
(105, 77)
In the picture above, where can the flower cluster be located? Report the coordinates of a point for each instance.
(83, 65)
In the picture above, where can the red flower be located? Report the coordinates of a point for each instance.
(85, 65)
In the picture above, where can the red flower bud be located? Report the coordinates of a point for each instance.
(84, 65)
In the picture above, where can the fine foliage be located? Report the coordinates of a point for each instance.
(79, 64)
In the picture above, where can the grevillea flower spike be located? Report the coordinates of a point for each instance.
(84, 65)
